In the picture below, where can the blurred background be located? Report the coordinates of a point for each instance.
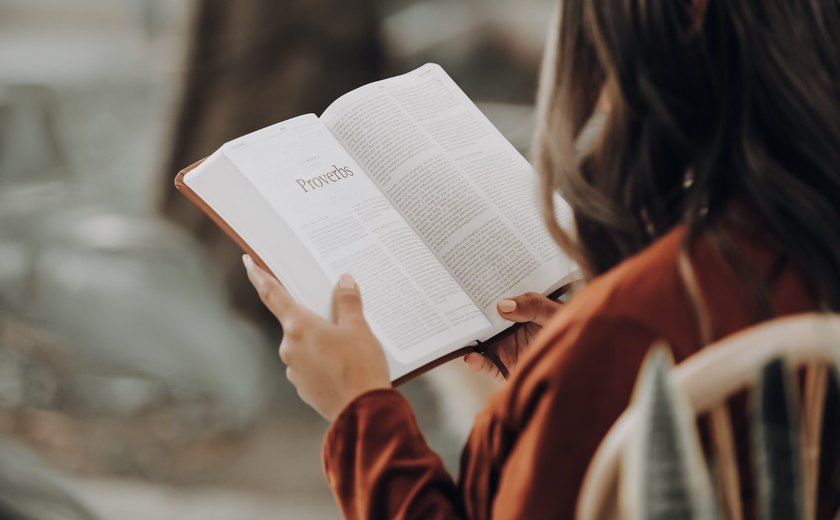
(138, 370)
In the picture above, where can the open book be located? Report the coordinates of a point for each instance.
(404, 184)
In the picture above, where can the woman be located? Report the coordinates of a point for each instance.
(709, 202)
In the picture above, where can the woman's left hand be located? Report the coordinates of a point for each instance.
(329, 362)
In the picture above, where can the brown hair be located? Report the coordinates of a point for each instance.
(708, 101)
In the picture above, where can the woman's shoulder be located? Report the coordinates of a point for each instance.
(644, 291)
(597, 341)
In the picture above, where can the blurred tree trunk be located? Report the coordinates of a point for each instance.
(253, 63)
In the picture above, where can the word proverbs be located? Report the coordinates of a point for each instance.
(320, 181)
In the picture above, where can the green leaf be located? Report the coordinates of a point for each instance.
(778, 454)
(664, 472)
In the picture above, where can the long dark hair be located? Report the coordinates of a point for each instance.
(710, 100)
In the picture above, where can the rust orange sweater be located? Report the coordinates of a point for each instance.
(530, 447)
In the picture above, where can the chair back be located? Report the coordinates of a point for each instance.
(807, 342)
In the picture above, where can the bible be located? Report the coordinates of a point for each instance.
(406, 185)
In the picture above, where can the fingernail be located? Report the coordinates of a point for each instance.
(507, 305)
(346, 281)
(248, 261)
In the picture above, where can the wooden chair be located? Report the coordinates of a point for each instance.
(810, 342)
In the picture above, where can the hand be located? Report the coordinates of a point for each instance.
(329, 362)
(532, 309)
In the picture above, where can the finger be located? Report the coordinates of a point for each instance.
(290, 375)
(273, 295)
(295, 327)
(527, 307)
(347, 301)
(283, 351)
(478, 363)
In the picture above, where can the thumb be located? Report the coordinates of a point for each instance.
(527, 307)
(347, 301)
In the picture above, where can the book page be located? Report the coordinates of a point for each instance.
(235, 199)
(463, 187)
(413, 305)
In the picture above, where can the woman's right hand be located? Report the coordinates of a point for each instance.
(533, 310)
